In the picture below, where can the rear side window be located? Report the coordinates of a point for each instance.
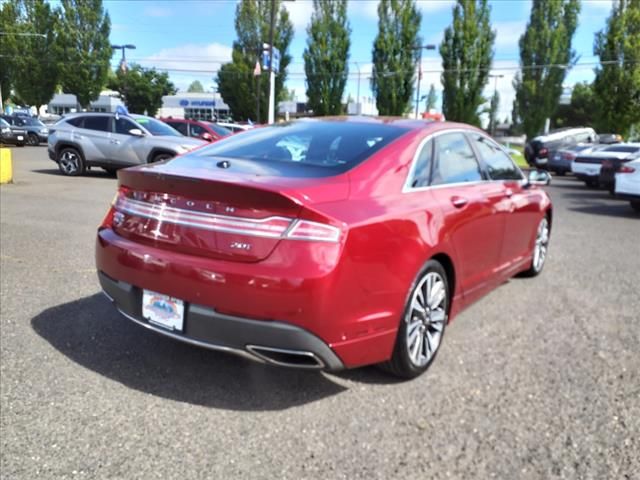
(499, 164)
(455, 161)
(182, 127)
(100, 123)
(307, 148)
(76, 121)
(422, 170)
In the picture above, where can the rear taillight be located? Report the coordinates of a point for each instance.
(626, 169)
(543, 152)
(275, 227)
(307, 230)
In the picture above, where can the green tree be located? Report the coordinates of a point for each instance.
(467, 53)
(8, 48)
(545, 48)
(432, 98)
(617, 82)
(195, 87)
(326, 56)
(142, 89)
(84, 38)
(38, 53)
(583, 109)
(395, 55)
(236, 82)
(493, 112)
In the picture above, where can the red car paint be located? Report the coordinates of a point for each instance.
(350, 293)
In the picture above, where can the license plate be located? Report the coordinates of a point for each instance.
(163, 310)
(20, 137)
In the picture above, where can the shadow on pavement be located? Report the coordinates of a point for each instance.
(94, 173)
(620, 209)
(90, 332)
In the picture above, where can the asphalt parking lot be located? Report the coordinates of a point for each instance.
(541, 379)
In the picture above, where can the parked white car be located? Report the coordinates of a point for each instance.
(628, 183)
(587, 166)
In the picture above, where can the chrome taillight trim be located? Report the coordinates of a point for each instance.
(205, 221)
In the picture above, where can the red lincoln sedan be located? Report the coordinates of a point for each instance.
(322, 244)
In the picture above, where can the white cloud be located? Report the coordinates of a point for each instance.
(432, 6)
(157, 11)
(508, 33)
(299, 13)
(598, 5)
(363, 8)
(195, 57)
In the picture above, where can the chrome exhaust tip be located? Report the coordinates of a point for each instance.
(287, 358)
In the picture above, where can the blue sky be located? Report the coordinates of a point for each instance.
(197, 35)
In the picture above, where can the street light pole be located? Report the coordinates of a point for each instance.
(420, 48)
(123, 60)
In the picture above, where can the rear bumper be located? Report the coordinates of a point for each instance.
(264, 341)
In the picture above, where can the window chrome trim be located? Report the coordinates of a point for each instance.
(407, 188)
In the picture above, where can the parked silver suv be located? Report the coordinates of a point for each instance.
(84, 140)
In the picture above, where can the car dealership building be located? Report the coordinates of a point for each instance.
(198, 106)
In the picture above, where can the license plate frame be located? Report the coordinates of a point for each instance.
(163, 310)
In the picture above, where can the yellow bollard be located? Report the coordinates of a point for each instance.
(6, 170)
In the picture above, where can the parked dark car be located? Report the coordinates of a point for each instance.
(11, 135)
(560, 160)
(611, 166)
(36, 131)
(540, 149)
(198, 129)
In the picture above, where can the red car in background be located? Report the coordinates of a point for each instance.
(208, 131)
(322, 244)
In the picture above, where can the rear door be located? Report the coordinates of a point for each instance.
(95, 136)
(469, 204)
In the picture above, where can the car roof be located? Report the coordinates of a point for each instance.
(407, 123)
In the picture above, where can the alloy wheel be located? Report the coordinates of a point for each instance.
(541, 245)
(69, 162)
(426, 318)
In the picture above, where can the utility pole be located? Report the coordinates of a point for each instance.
(358, 105)
(492, 121)
(420, 48)
(272, 76)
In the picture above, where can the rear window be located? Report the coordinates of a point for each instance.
(305, 148)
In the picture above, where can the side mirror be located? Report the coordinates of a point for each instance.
(538, 177)
(136, 132)
(207, 136)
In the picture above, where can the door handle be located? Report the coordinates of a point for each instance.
(508, 193)
(459, 202)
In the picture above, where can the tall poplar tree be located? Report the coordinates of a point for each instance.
(545, 50)
(467, 53)
(236, 81)
(326, 56)
(84, 38)
(617, 83)
(8, 48)
(395, 53)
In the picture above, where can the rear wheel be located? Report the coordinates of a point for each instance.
(592, 183)
(110, 170)
(70, 162)
(540, 248)
(635, 204)
(422, 326)
(161, 156)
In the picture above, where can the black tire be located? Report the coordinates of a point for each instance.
(159, 157)
(401, 363)
(33, 140)
(110, 170)
(535, 269)
(70, 162)
(592, 183)
(635, 204)
(561, 173)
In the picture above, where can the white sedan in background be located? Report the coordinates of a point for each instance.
(628, 183)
